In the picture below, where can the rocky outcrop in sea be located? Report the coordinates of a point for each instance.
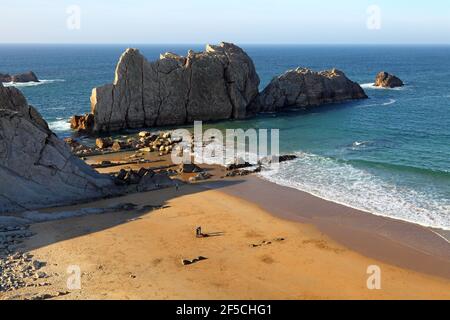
(19, 78)
(217, 84)
(303, 88)
(220, 83)
(386, 80)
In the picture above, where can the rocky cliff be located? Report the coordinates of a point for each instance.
(12, 99)
(386, 80)
(36, 168)
(303, 88)
(217, 84)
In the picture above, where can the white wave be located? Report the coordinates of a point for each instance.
(59, 125)
(215, 153)
(368, 86)
(31, 84)
(344, 184)
(357, 144)
(373, 87)
(391, 101)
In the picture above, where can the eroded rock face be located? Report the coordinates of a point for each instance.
(12, 99)
(217, 84)
(386, 80)
(36, 168)
(83, 124)
(19, 78)
(303, 88)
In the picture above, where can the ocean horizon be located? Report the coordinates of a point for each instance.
(387, 155)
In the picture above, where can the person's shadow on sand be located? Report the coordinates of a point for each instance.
(200, 234)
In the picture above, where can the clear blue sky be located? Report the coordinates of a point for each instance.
(211, 21)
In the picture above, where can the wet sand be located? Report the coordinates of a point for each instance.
(397, 242)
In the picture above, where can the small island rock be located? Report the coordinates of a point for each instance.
(386, 80)
(19, 78)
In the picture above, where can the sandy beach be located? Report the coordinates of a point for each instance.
(269, 151)
(263, 242)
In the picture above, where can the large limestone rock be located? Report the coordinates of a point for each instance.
(217, 84)
(19, 78)
(386, 80)
(36, 168)
(303, 88)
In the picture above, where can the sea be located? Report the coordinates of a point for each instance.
(388, 155)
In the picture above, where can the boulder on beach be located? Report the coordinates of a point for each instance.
(119, 145)
(19, 78)
(189, 168)
(82, 124)
(386, 80)
(217, 84)
(303, 88)
(104, 143)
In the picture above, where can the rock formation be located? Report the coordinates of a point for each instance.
(19, 78)
(303, 88)
(83, 124)
(36, 168)
(386, 80)
(217, 84)
(13, 99)
(4, 77)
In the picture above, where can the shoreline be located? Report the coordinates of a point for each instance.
(267, 242)
(441, 232)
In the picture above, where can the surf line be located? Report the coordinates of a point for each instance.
(391, 101)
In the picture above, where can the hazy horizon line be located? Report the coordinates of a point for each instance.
(239, 43)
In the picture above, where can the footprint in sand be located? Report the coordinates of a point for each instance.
(267, 260)
(267, 243)
(321, 244)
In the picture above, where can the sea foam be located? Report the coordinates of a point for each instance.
(345, 184)
(373, 87)
(59, 125)
(31, 84)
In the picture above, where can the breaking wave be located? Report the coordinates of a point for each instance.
(372, 86)
(59, 125)
(343, 183)
(31, 84)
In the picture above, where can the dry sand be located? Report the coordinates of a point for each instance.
(302, 248)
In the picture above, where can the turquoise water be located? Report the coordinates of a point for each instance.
(387, 155)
